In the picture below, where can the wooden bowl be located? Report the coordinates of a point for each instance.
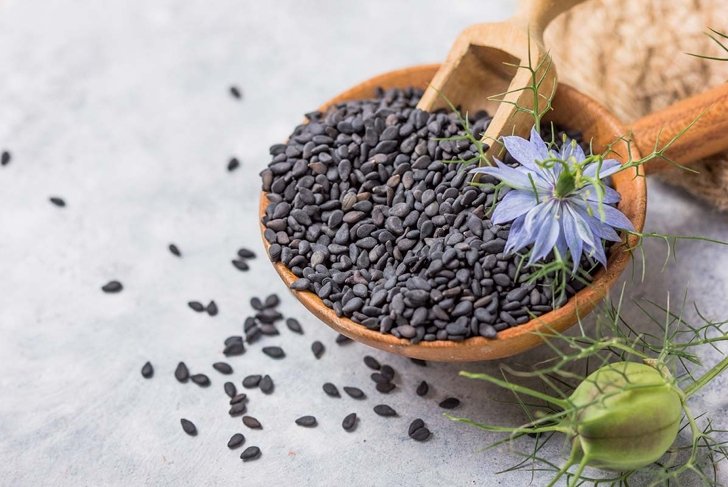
(573, 110)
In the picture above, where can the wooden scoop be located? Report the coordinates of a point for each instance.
(482, 69)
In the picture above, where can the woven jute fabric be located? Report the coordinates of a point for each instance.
(631, 55)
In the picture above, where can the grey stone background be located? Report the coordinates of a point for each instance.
(122, 108)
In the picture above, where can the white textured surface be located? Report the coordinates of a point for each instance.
(121, 107)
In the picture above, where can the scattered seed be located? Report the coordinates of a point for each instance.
(450, 403)
(112, 287)
(349, 422)
(371, 362)
(175, 250)
(237, 409)
(233, 164)
(274, 352)
(422, 389)
(307, 421)
(245, 253)
(415, 425)
(200, 379)
(236, 441)
(342, 339)
(196, 306)
(59, 202)
(188, 427)
(240, 265)
(250, 453)
(318, 349)
(331, 390)
(238, 398)
(354, 392)
(294, 325)
(235, 92)
(230, 389)
(234, 348)
(182, 373)
(385, 387)
(5, 158)
(417, 430)
(251, 381)
(212, 308)
(252, 423)
(266, 384)
(387, 372)
(272, 301)
(223, 368)
(147, 370)
(384, 410)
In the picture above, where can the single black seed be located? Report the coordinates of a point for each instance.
(233, 164)
(188, 427)
(230, 389)
(421, 434)
(182, 373)
(223, 368)
(112, 287)
(251, 381)
(250, 453)
(450, 403)
(272, 301)
(147, 370)
(349, 422)
(274, 352)
(318, 349)
(200, 379)
(342, 339)
(384, 410)
(385, 387)
(371, 362)
(415, 425)
(379, 378)
(5, 158)
(422, 389)
(257, 304)
(331, 390)
(387, 372)
(307, 421)
(237, 409)
(59, 202)
(234, 348)
(419, 362)
(237, 398)
(266, 385)
(236, 441)
(294, 325)
(240, 265)
(235, 92)
(175, 250)
(354, 392)
(252, 423)
(246, 253)
(212, 308)
(196, 306)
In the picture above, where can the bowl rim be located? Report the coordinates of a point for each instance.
(478, 348)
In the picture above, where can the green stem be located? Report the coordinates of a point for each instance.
(562, 403)
(707, 377)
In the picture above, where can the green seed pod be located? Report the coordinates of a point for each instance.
(627, 415)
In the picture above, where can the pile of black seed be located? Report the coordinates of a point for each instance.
(365, 211)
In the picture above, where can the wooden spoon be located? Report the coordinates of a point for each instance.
(483, 64)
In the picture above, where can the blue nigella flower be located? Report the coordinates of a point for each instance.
(553, 202)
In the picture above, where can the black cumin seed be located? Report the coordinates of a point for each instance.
(251, 381)
(230, 389)
(421, 434)
(188, 427)
(238, 398)
(274, 352)
(212, 308)
(266, 384)
(182, 373)
(385, 387)
(384, 410)
(175, 250)
(235, 348)
(236, 441)
(422, 389)
(223, 368)
(354, 392)
(342, 339)
(240, 265)
(244, 253)
(112, 287)
(272, 301)
(233, 339)
(196, 306)
(250, 453)
(235, 92)
(349, 423)
(252, 423)
(387, 372)
(307, 421)
(318, 349)
(419, 362)
(147, 370)
(237, 409)
(450, 403)
(294, 326)
(331, 390)
(379, 378)
(200, 379)
(415, 425)
(233, 164)
(57, 201)
(372, 363)
(257, 304)
(5, 158)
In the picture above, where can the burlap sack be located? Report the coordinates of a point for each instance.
(631, 56)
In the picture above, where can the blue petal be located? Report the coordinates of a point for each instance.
(572, 149)
(512, 177)
(518, 237)
(612, 217)
(607, 168)
(539, 145)
(513, 205)
(548, 232)
(523, 151)
(589, 193)
(575, 243)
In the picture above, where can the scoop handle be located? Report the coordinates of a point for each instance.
(538, 14)
(707, 136)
